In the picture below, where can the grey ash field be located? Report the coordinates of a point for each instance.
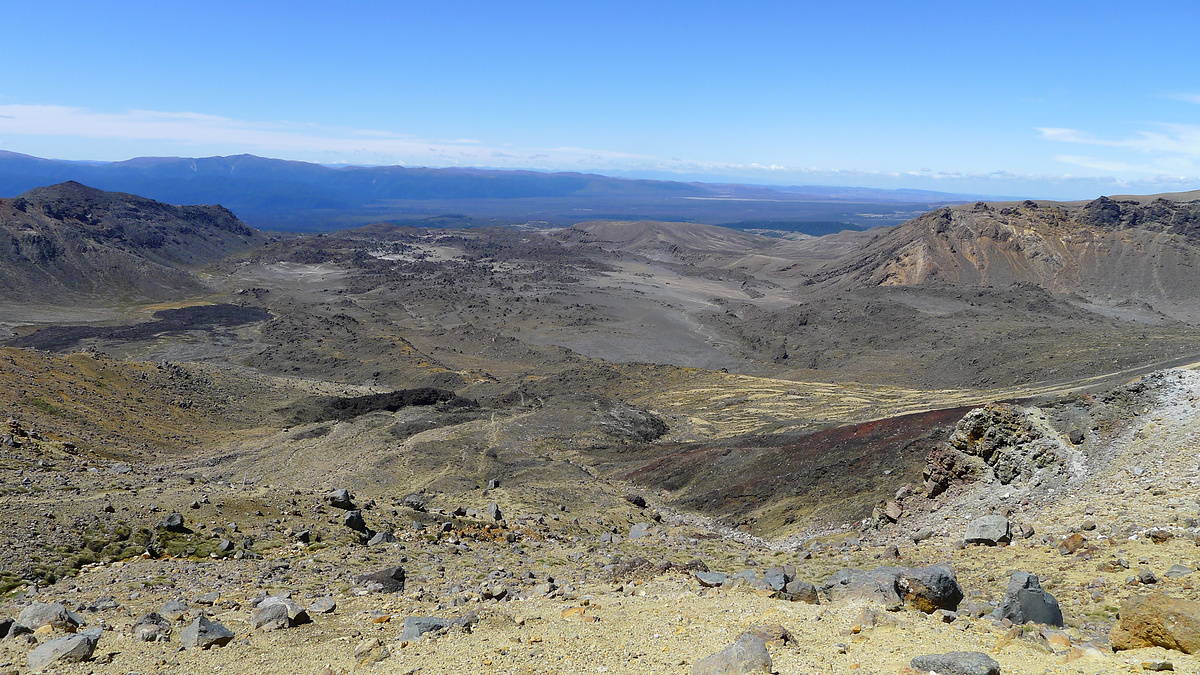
(565, 437)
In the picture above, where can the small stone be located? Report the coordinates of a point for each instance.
(988, 530)
(493, 512)
(416, 626)
(152, 627)
(892, 552)
(493, 483)
(382, 538)
(323, 605)
(174, 610)
(354, 520)
(209, 599)
(174, 523)
(1071, 544)
(636, 499)
(639, 530)
(203, 634)
(1147, 577)
(414, 501)
(710, 579)
(391, 579)
(1158, 665)
(747, 655)
(957, 663)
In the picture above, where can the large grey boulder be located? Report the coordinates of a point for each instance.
(957, 663)
(296, 614)
(798, 590)
(926, 589)
(203, 634)
(416, 626)
(69, 649)
(710, 579)
(988, 530)
(390, 580)
(270, 617)
(747, 655)
(53, 614)
(340, 499)
(1026, 602)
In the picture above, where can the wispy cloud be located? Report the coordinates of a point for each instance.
(1165, 149)
(1190, 98)
(197, 130)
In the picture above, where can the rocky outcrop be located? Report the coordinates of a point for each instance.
(999, 441)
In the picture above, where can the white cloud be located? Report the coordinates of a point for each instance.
(196, 130)
(1166, 141)
(1190, 98)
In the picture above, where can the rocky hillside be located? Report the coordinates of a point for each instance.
(69, 241)
(1139, 250)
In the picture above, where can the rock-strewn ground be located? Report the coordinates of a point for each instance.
(567, 594)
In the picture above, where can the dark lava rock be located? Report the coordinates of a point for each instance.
(636, 499)
(340, 499)
(174, 523)
(5, 625)
(382, 538)
(1026, 602)
(203, 634)
(957, 663)
(392, 579)
(354, 520)
(415, 501)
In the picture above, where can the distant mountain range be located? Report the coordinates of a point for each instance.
(287, 195)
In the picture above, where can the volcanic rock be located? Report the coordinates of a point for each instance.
(747, 655)
(1158, 620)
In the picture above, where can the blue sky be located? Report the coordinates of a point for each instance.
(1065, 100)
